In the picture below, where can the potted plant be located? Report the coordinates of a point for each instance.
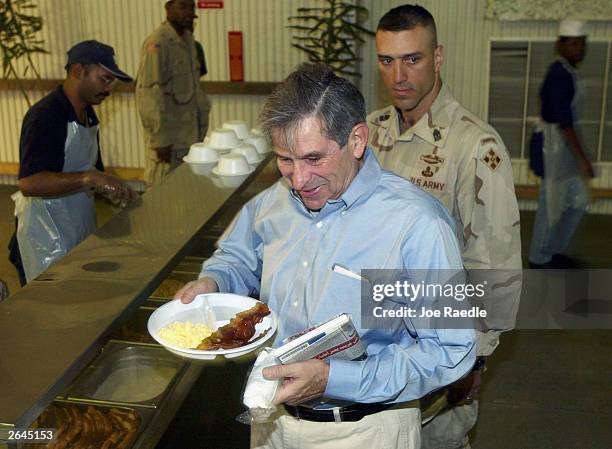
(330, 34)
(19, 39)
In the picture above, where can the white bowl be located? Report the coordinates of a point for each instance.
(239, 127)
(225, 306)
(228, 182)
(199, 169)
(260, 143)
(249, 152)
(223, 139)
(200, 153)
(232, 165)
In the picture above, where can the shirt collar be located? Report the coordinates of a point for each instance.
(432, 127)
(69, 109)
(172, 34)
(360, 188)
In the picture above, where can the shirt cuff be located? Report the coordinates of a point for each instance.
(344, 380)
(486, 342)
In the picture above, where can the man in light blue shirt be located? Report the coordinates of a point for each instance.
(336, 206)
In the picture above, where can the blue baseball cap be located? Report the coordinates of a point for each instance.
(94, 52)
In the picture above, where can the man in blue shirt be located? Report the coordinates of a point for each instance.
(563, 191)
(329, 210)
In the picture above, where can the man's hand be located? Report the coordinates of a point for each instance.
(302, 381)
(164, 154)
(586, 168)
(466, 389)
(195, 288)
(112, 188)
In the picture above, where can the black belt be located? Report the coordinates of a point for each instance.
(349, 413)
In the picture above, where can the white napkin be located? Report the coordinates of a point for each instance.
(259, 392)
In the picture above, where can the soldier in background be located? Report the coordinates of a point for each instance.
(172, 105)
(427, 137)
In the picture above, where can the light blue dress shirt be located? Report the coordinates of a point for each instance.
(280, 251)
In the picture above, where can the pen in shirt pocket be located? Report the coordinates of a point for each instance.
(337, 268)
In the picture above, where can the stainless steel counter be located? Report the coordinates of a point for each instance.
(52, 328)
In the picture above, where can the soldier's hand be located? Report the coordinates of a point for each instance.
(164, 154)
(466, 389)
(586, 168)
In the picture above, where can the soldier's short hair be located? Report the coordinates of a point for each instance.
(313, 90)
(408, 17)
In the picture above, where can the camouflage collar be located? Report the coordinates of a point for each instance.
(432, 127)
(169, 31)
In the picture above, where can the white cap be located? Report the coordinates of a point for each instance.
(572, 28)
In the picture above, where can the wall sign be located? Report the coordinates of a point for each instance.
(207, 4)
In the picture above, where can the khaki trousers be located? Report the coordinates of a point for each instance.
(389, 429)
(449, 429)
(155, 170)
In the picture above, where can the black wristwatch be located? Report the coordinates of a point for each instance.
(479, 364)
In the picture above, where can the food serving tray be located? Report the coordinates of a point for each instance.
(128, 374)
(87, 424)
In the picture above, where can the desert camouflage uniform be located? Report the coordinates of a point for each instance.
(172, 105)
(463, 162)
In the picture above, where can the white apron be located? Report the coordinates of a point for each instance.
(49, 227)
(563, 181)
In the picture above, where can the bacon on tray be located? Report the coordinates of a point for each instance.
(238, 331)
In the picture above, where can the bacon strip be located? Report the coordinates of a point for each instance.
(238, 331)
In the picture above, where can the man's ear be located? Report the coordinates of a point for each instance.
(439, 58)
(76, 70)
(358, 139)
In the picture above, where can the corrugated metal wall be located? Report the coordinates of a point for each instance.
(268, 56)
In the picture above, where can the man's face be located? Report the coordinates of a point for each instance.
(316, 168)
(95, 84)
(409, 65)
(181, 13)
(573, 49)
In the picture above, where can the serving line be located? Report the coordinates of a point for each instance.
(52, 328)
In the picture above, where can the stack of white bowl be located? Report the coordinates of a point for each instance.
(234, 148)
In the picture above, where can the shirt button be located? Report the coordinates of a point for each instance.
(343, 213)
(305, 264)
(319, 225)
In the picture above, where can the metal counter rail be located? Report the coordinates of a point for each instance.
(52, 328)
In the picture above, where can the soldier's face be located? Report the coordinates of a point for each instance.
(316, 168)
(409, 64)
(181, 13)
(95, 84)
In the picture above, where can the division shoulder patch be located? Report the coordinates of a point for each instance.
(492, 159)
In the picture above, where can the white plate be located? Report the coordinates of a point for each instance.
(225, 306)
(218, 173)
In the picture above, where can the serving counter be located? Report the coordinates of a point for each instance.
(52, 329)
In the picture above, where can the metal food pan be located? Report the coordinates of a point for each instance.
(82, 424)
(175, 280)
(191, 264)
(135, 329)
(129, 374)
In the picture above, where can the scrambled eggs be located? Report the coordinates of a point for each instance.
(185, 334)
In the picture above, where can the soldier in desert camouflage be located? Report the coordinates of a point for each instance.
(427, 137)
(172, 105)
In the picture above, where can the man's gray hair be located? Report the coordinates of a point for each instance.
(313, 90)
